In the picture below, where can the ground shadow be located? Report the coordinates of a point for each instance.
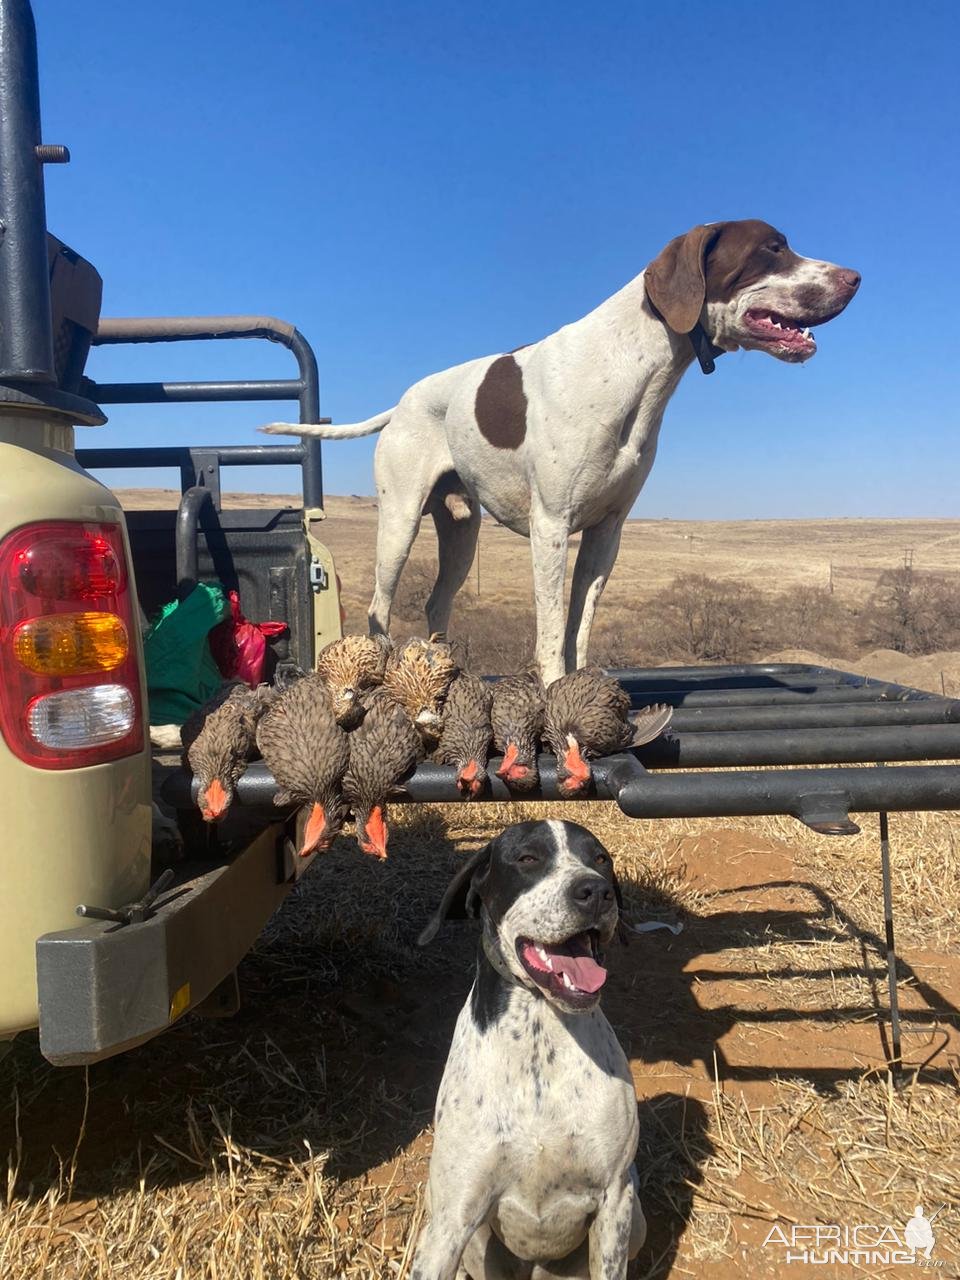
(344, 1028)
(672, 1149)
(653, 1003)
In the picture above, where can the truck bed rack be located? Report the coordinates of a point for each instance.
(737, 737)
(777, 738)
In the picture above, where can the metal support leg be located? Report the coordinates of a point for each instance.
(896, 1057)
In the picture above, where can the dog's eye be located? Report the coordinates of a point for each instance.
(602, 859)
(527, 858)
(776, 247)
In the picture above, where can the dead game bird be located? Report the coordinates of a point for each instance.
(218, 741)
(418, 676)
(586, 717)
(383, 750)
(308, 753)
(517, 719)
(467, 733)
(348, 666)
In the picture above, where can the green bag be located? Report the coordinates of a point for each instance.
(181, 672)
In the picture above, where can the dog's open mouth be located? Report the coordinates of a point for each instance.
(571, 970)
(781, 331)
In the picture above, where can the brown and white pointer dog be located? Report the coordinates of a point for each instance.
(558, 437)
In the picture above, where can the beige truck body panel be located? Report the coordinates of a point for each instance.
(72, 835)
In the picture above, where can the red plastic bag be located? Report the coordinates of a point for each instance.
(239, 646)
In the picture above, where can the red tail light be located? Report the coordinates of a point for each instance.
(70, 689)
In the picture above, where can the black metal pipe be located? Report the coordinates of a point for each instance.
(785, 791)
(803, 746)
(234, 455)
(309, 412)
(735, 793)
(114, 330)
(26, 338)
(188, 520)
(305, 389)
(830, 715)
(760, 672)
(846, 695)
(736, 680)
(193, 392)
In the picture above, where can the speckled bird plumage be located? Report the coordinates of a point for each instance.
(383, 751)
(349, 666)
(586, 716)
(467, 732)
(517, 720)
(418, 676)
(219, 739)
(308, 753)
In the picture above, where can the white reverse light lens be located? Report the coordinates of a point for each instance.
(79, 718)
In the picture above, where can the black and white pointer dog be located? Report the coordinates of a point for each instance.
(535, 1131)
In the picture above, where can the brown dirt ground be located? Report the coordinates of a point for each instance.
(292, 1141)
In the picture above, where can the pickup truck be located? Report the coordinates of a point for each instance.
(77, 577)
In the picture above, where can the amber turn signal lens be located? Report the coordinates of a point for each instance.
(71, 644)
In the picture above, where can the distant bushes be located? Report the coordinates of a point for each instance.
(913, 612)
(701, 619)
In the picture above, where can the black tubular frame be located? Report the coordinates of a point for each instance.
(707, 764)
(28, 380)
(26, 326)
(305, 389)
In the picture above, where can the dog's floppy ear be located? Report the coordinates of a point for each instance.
(458, 901)
(675, 281)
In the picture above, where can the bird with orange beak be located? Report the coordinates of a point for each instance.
(467, 733)
(307, 752)
(219, 740)
(517, 720)
(586, 716)
(384, 750)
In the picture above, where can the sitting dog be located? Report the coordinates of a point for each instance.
(535, 1130)
(558, 437)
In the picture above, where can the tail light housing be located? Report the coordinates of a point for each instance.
(70, 687)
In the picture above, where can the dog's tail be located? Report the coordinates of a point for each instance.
(331, 430)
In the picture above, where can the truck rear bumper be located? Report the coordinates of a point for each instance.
(105, 987)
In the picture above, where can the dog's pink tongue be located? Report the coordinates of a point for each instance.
(583, 971)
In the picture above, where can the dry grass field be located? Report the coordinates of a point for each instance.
(773, 555)
(291, 1142)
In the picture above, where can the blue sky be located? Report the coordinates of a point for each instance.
(415, 184)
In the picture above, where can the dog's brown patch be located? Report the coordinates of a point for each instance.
(501, 405)
(743, 254)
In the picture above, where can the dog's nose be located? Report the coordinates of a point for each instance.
(591, 891)
(850, 279)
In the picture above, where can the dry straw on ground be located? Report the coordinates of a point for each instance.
(291, 1143)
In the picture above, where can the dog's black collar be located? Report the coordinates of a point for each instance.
(703, 348)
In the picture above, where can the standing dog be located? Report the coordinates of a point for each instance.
(531, 1176)
(558, 437)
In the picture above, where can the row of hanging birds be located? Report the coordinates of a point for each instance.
(342, 739)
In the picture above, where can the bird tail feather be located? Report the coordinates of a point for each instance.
(650, 722)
